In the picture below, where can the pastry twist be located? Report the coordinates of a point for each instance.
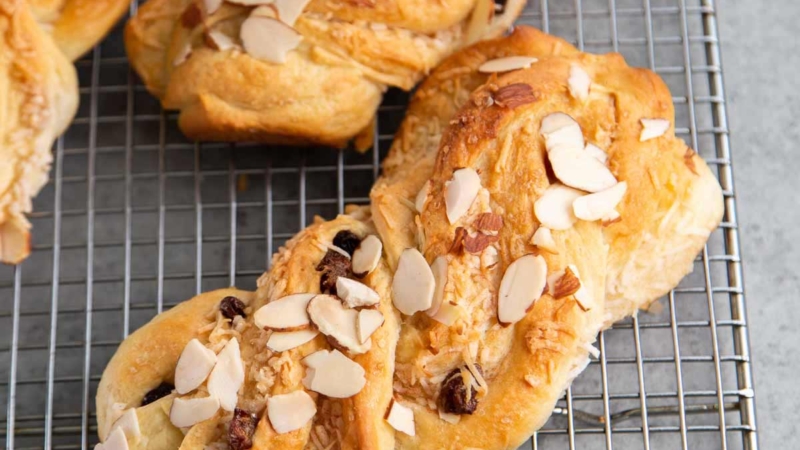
(296, 72)
(501, 252)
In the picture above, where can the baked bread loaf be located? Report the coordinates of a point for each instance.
(39, 97)
(295, 72)
(77, 25)
(455, 310)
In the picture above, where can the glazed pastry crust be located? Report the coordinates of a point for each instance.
(38, 98)
(329, 88)
(77, 25)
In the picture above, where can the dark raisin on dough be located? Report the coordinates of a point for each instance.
(454, 398)
(333, 266)
(241, 430)
(347, 241)
(232, 307)
(163, 390)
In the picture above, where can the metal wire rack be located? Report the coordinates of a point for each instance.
(136, 218)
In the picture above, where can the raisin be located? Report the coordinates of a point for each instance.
(241, 430)
(163, 390)
(454, 398)
(232, 307)
(347, 241)
(333, 266)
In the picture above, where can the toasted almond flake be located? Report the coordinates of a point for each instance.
(115, 441)
(583, 296)
(439, 271)
(268, 39)
(580, 170)
(507, 64)
(478, 242)
(337, 322)
(522, 285)
(422, 196)
(290, 10)
(219, 40)
(212, 6)
(369, 320)
(599, 205)
(489, 223)
(653, 128)
(338, 250)
(566, 284)
(194, 365)
(285, 314)
(401, 418)
(514, 95)
(448, 313)
(559, 129)
(356, 294)
(129, 424)
(449, 418)
(227, 376)
(579, 82)
(251, 2)
(460, 192)
(413, 284)
(315, 359)
(596, 152)
(367, 255)
(183, 55)
(554, 208)
(186, 412)
(289, 412)
(280, 341)
(489, 258)
(543, 238)
(336, 376)
(458, 241)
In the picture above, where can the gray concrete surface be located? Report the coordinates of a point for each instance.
(761, 57)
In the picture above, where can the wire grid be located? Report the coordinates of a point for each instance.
(136, 218)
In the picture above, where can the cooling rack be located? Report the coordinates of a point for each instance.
(136, 218)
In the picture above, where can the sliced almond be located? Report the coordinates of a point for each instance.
(597, 153)
(413, 284)
(336, 376)
(559, 129)
(251, 2)
(583, 296)
(227, 376)
(115, 441)
(337, 322)
(369, 320)
(290, 10)
(129, 424)
(193, 366)
(289, 412)
(186, 412)
(543, 238)
(212, 6)
(183, 55)
(268, 39)
(265, 11)
(449, 418)
(315, 360)
(599, 205)
(579, 82)
(576, 168)
(280, 341)
(567, 284)
(367, 255)
(610, 218)
(554, 208)
(356, 294)
(460, 192)
(401, 418)
(522, 285)
(219, 40)
(507, 64)
(285, 314)
(653, 128)
(422, 196)
(448, 313)
(489, 258)
(439, 270)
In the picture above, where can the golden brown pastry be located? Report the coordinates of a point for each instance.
(296, 71)
(38, 98)
(456, 310)
(77, 25)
